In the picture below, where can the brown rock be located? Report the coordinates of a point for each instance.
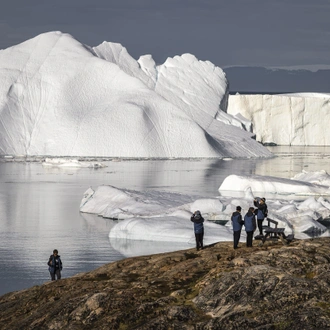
(268, 287)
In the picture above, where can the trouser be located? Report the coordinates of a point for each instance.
(260, 226)
(237, 235)
(199, 240)
(249, 237)
(57, 273)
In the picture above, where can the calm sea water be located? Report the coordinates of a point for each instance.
(39, 207)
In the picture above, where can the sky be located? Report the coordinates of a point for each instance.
(237, 32)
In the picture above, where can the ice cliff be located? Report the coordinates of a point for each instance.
(300, 119)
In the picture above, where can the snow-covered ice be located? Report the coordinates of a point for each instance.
(286, 119)
(59, 97)
(162, 216)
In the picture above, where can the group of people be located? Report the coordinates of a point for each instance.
(253, 218)
(249, 222)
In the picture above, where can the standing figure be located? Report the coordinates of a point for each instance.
(250, 225)
(262, 212)
(55, 265)
(237, 222)
(198, 220)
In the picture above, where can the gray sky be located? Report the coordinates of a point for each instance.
(225, 32)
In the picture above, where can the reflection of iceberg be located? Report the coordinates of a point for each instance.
(94, 223)
(131, 248)
(313, 234)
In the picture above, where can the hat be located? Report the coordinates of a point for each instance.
(198, 212)
(263, 199)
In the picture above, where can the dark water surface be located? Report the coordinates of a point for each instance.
(39, 206)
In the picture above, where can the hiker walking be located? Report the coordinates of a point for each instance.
(55, 265)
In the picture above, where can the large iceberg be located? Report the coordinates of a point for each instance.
(299, 119)
(59, 97)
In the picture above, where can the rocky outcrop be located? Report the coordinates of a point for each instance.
(268, 287)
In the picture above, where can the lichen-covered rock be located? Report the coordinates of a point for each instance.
(268, 287)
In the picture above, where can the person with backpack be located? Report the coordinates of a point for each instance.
(198, 220)
(55, 265)
(237, 223)
(250, 225)
(261, 212)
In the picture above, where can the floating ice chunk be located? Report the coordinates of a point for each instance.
(267, 185)
(63, 162)
(318, 177)
(112, 202)
(155, 215)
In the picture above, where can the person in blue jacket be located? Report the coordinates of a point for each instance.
(237, 222)
(198, 220)
(250, 225)
(55, 265)
(262, 212)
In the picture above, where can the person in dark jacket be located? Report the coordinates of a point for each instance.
(198, 220)
(250, 225)
(55, 265)
(237, 222)
(262, 212)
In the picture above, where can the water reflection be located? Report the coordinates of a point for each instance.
(131, 248)
(39, 207)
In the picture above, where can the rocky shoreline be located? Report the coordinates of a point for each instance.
(268, 287)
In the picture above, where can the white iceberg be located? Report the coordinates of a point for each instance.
(59, 97)
(298, 119)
